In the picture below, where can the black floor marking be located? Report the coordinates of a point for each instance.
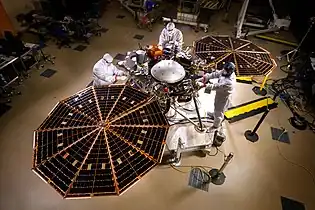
(48, 73)
(198, 179)
(280, 135)
(4, 108)
(80, 48)
(104, 30)
(120, 16)
(139, 37)
(289, 204)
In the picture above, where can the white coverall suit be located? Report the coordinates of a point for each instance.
(105, 73)
(224, 88)
(170, 34)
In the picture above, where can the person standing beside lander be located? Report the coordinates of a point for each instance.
(224, 89)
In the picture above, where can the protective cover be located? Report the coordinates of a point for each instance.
(168, 71)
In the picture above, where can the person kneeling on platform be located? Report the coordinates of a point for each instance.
(224, 88)
(106, 73)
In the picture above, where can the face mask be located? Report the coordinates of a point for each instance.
(226, 73)
(170, 33)
(106, 62)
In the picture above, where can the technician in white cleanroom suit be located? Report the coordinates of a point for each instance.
(224, 88)
(171, 35)
(105, 72)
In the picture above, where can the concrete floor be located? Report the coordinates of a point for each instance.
(256, 178)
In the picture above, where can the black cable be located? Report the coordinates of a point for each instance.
(184, 123)
(215, 154)
(202, 170)
(194, 120)
(283, 88)
(180, 121)
(185, 166)
(189, 110)
(187, 122)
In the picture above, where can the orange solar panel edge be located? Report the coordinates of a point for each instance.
(5, 22)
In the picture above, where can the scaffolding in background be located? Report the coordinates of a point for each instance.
(196, 12)
(275, 24)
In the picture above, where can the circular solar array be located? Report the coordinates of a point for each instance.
(249, 59)
(99, 141)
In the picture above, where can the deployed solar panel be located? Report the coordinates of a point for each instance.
(249, 59)
(99, 141)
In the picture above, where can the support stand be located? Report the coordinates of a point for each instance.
(289, 58)
(176, 161)
(199, 127)
(261, 91)
(217, 175)
(252, 136)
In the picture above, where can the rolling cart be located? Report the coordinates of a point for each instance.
(8, 73)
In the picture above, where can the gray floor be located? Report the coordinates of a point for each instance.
(256, 178)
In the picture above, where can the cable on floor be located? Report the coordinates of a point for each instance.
(185, 121)
(202, 170)
(292, 97)
(291, 162)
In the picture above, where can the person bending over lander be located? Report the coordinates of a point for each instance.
(172, 36)
(105, 72)
(224, 88)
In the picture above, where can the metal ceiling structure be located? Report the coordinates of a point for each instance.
(99, 141)
(250, 59)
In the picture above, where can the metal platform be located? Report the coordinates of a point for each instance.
(192, 139)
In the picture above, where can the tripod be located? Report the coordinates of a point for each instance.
(296, 50)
